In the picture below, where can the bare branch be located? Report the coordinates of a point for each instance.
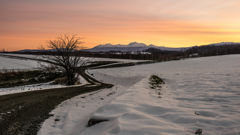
(64, 55)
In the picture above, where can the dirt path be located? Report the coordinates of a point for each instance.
(23, 113)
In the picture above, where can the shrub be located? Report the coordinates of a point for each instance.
(155, 82)
(61, 80)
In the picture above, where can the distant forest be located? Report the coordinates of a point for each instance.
(161, 55)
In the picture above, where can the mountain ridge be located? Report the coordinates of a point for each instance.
(135, 47)
(131, 47)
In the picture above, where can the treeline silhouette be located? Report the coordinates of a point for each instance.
(211, 50)
(163, 55)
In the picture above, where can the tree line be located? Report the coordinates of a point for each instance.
(162, 55)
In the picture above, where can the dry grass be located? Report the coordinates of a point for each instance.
(11, 78)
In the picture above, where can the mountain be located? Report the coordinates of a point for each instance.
(28, 50)
(132, 47)
(135, 47)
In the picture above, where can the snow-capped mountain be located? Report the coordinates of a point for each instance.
(132, 47)
(133, 44)
(135, 47)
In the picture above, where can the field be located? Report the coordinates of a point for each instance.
(10, 63)
(19, 64)
(175, 97)
(200, 93)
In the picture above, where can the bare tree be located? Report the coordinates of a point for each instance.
(64, 55)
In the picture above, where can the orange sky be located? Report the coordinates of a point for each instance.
(27, 24)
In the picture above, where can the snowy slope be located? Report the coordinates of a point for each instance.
(201, 93)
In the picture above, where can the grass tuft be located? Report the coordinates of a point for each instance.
(155, 82)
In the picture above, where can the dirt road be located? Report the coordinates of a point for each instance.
(23, 113)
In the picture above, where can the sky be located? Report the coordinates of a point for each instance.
(28, 24)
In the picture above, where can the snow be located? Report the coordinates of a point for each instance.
(74, 112)
(15, 63)
(117, 60)
(9, 63)
(39, 86)
(20, 55)
(32, 87)
(200, 93)
(68, 111)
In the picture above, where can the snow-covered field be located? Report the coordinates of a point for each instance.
(20, 55)
(118, 60)
(90, 58)
(200, 93)
(9, 63)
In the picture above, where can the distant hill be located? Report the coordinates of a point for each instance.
(28, 50)
(132, 47)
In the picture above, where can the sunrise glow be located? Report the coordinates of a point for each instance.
(27, 24)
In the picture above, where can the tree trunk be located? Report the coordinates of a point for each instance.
(68, 79)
